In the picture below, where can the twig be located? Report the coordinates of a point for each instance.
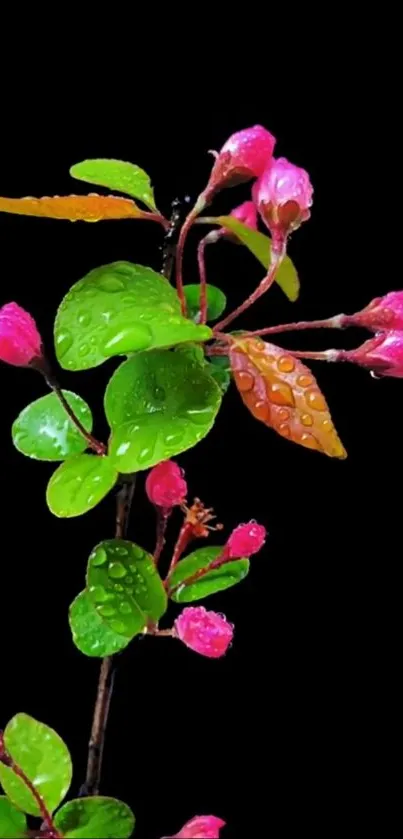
(162, 521)
(335, 322)
(268, 280)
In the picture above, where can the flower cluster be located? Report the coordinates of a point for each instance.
(383, 354)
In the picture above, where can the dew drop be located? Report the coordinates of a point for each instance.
(129, 580)
(306, 419)
(315, 400)
(99, 594)
(260, 410)
(84, 318)
(106, 611)
(284, 430)
(83, 350)
(145, 454)
(284, 414)
(286, 364)
(174, 437)
(99, 557)
(327, 425)
(125, 608)
(117, 625)
(305, 381)
(281, 394)
(64, 341)
(244, 381)
(116, 570)
(118, 587)
(309, 441)
(121, 550)
(110, 283)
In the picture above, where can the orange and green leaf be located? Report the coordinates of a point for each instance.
(74, 207)
(282, 393)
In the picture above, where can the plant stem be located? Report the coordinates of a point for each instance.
(335, 322)
(107, 672)
(326, 355)
(93, 443)
(201, 260)
(185, 535)
(162, 521)
(268, 280)
(199, 206)
(216, 563)
(5, 757)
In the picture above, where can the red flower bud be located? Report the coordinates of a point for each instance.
(200, 827)
(20, 341)
(246, 213)
(382, 313)
(283, 195)
(383, 355)
(245, 540)
(207, 633)
(244, 156)
(165, 485)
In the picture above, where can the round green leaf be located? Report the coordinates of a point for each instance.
(80, 484)
(44, 758)
(45, 432)
(13, 824)
(220, 369)
(116, 174)
(97, 817)
(90, 633)
(216, 301)
(158, 404)
(125, 587)
(119, 309)
(217, 580)
(260, 245)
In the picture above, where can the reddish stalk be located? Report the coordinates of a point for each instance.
(335, 322)
(185, 535)
(163, 515)
(199, 206)
(326, 355)
(268, 280)
(93, 443)
(201, 260)
(216, 563)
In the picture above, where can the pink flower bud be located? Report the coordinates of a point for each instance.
(165, 485)
(383, 355)
(245, 540)
(382, 313)
(200, 827)
(20, 341)
(246, 213)
(207, 633)
(283, 195)
(244, 156)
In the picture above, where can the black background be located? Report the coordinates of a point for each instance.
(280, 733)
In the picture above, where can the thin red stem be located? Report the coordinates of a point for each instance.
(179, 251)
(328, 323)
(326, 355)
(163, 515)
(158, 218)
(182, 542)
(201, 260)
(216, 563)
(93, 443)
(268, 280)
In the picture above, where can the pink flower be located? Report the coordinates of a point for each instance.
(382, 354)
(165, 485)
(245, 540)
(283, 195)
(207, 633)
(244, 156)
(246, 213)
(20, 341)
(200, 827)
(382, 313)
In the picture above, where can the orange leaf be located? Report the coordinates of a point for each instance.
(281, 392)
(74, 207)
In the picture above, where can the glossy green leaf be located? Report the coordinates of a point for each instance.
(220, 369)
(216, 301)
(45, 432)
(97, 817)
(90, 633)
(125, 587)
(116, 174)
(80, 484)
(44, 758)
(260, 246)
(158, 404)
(13, 824)
(217, 580)
(119, 309)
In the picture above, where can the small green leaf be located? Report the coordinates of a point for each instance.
(217, 580)
(119, 309)
(216, 301)
(80, 484)
(260, 246)
(13, 824)
(158, 405)
(125, 587)
(45, 432)
(90, 634)
(116, 174)
(220, 369)
(97, 817)
(44, 758)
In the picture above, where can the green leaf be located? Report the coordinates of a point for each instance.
(90, 633)
(116, 174)
(216, 301)
(44, 758)
(125, 587)
(158, 404)
(217, 580)
(260, 246)
(13, 824)
(45, 432)
(80, 484)
(220, 369)
(119, 309)
(97, 817)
